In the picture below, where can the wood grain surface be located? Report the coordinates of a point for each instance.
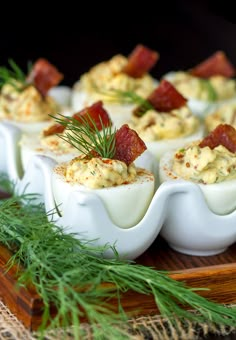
(217, 273)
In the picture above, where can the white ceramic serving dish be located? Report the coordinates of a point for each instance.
(201, 220)
(178, 210)
(84, 213)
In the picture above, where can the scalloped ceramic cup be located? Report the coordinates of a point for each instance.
(201, 220)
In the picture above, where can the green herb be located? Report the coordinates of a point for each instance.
(128, 97)
(86, 137)
(207, 86)
(13, 76)
(6, 185)
(52, 259)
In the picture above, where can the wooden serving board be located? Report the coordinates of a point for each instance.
(218, 273)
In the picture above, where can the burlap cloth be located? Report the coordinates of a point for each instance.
(146, 327)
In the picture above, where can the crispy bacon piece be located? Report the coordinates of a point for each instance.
(140, 61)
(223, 134)
(97, 113)
(53, 129)
(128, 145)
(166, 98)
(44, 76)
(217, 64)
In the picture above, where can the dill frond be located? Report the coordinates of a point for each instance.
(86, 137)
(13, 75)
(126, 97)
(52, 258)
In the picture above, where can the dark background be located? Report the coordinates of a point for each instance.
(76, 36)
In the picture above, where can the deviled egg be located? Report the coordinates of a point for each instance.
(211, 164)
(24, 99)
(115, 82)
(168, 123)
(207, 84)
(201, 216)
(52, 140)
(222, 114)
(110, 173)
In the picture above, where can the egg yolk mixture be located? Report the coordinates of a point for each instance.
(26, 105)
(205, 165)
(225, 114)
(56, 144)
(211, 89)
(109, 76)
(154, 126)
(99, 172)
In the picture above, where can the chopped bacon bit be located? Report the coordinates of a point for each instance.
(53, 130)
(179, 155)
(128, 145)
(140, 61)
(97, 114)
(92, 154)
(217, 64)
(223, 134)
(166, 98)
(44, 76)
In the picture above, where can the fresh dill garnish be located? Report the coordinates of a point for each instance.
(126, 97)
(6, 186)
(72, 275)
(13, 76)
(207, 86)
(86, 137)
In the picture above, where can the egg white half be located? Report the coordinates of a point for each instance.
(61, 94)
(126, 204)
(30, 145)
(158, 148)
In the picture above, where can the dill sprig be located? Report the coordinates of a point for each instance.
(13, 76)
(125, 97)
(86, 137)
(207, 86)
(6, 186)
(52, 259)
